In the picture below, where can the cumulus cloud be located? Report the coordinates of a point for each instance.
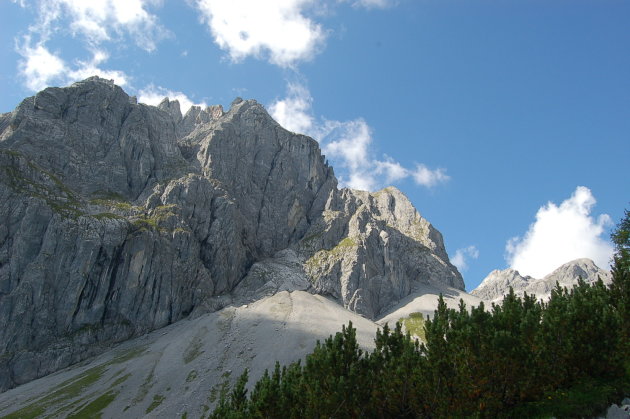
(347, 145)
(460, 260)
(153, 95)
(561, 234)
(39, 67)
(279, 31)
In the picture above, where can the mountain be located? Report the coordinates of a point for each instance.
(179, 370)
(494, 287)
(121, 218)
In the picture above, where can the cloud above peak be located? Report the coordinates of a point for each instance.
(153, 95)
(348, 145)
(40, 68)
(560, 234)
(278, 31)
(93, 24)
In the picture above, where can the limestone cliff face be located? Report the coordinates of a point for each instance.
(369, 249)
(497, 284)
(119, 218)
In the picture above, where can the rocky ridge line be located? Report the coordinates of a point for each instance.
(121, 218)
(497, 284)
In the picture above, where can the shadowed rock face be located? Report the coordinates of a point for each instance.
(119, 218)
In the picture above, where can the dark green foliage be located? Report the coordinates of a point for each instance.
(523, 358)
(621, 239)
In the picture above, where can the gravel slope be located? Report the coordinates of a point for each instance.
(179, 369)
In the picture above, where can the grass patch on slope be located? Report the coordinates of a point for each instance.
(414, 324)
(60, 397)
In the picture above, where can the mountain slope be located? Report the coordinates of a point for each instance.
(180, 369)
(498, 282)
(122, 218)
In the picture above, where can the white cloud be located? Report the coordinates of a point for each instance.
(40, 67)
(294, 111)
(278, 30)
(561, 234)
(347, 144)
(427, 177)
(94, 22)
(90, 68)
(153, 95)
(392, 170)
(461, 256)
(100, 21)
(373, 4)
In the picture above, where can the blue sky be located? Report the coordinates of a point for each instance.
(507, 123)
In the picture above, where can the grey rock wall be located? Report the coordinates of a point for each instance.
(118, 218)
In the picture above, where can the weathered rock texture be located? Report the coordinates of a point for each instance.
(497, 284)
(119, 218)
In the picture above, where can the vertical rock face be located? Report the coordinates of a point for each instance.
(119, 218)
(278, 179)
(369, 249)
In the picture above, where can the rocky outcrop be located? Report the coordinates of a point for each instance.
(497, 284)
(369, 249)
(119, 218)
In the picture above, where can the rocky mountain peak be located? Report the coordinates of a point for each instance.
(498, 282)
(121, 218)
(172, 108)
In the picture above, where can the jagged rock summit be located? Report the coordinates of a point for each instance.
(497, 284)
(120, 218)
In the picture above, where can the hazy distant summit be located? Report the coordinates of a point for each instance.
(120, 218)
(498, 282)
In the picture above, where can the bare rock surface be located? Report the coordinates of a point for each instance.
(369, 250)
(120, 218)
(497, 284)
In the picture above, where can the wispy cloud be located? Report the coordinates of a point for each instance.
(294, 111)
(93, 23)
(278, 31)
(429, 178)
(561, 234)
(100, 21)
(460, 260)
(348, 145)
(372, 4)
(153, 95)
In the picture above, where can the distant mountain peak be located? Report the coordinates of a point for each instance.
(498, 282)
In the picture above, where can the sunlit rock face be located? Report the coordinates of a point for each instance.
(119, 218)
(497, 284)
